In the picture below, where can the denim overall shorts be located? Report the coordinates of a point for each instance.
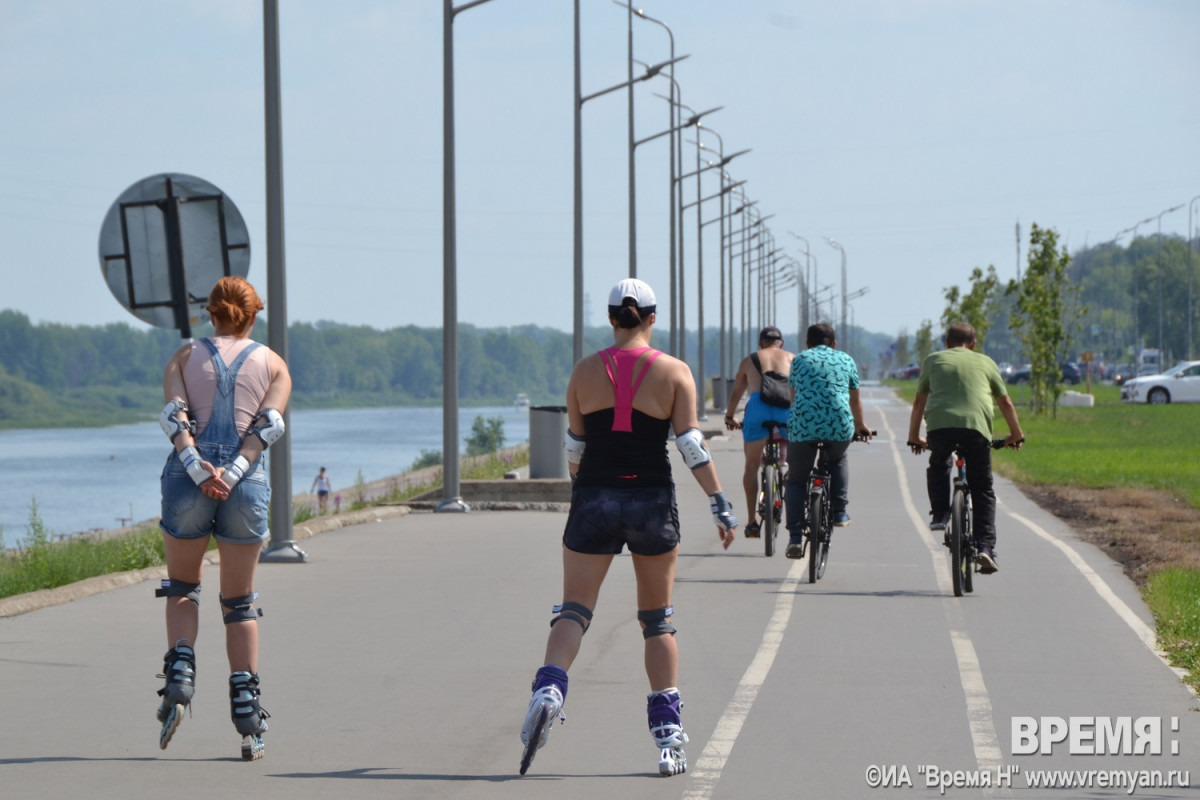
(187, 513)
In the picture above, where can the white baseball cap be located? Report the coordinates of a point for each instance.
(631, 288)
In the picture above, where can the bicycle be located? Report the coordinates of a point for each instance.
(820, 516)
(960, 537)
(770, 491)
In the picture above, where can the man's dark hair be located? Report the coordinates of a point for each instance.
(960, 334)
(769, 334)
(821, 333)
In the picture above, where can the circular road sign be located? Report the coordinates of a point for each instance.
(164, 243)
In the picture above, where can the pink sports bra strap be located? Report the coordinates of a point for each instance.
(625, 383)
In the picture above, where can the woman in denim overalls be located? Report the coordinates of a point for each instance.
(214, 484)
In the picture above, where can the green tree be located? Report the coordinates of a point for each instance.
(1045, 316)
(487, 436)
(923, 341)
(977, 307)
(902, 355)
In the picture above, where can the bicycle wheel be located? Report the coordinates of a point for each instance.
(767, 512)
(969, 550)
(818, 545)
(958, 544)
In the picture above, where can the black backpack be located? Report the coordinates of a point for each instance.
(775, 390)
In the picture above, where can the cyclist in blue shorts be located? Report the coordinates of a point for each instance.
(769, 358)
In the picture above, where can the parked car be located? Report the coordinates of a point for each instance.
(1119, 373)
(908, 372)
(1179, 384)
(1070, 374)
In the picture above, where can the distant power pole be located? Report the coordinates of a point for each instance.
(1018, 251)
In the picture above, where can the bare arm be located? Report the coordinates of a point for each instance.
(278, 393)
(914, 423)
(1015, 434)
(174, 389)
(574, 415)
(740, 384)
(856, 411)
(683, 418)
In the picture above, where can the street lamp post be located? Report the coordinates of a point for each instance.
(746, 204)
(842, 250)
(700, 407)
(451, 499)
(579, 100)
(720, 397)
(673, 121)
(721, 260)
(282, 546)
(1137, 331)
(1158, 261)
(1190, 247)
(809, 280)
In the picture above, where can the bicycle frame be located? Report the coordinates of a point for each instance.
(963, 548)
(770, 492)
(820, 519)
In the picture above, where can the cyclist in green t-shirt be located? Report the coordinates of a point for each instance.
(955, 395)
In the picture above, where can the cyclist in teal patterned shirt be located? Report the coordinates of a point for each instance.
(826, 408)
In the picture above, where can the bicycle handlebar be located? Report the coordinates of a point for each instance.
(996, 444)
(866, 438)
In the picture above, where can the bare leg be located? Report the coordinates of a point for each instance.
(582, 575)
(754, 451)
(238, 563)
(655, 579)
(185, 562)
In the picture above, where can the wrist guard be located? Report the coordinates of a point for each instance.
(234, 471)
(190, 458)
(722, 511)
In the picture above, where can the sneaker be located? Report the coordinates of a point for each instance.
(938, 521)
(841, 519)
(795, 547)
(752, 529)
(986, 559)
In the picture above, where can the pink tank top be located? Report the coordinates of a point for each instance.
(200, 378)
(625, 383)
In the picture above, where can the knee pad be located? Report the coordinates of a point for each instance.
(574, 612)
(173, 588)
(655, 622)
(241, 608)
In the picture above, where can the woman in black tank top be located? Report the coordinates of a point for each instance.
(622, 403)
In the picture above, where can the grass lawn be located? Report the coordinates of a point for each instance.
(1108, 445)
(1113, 445)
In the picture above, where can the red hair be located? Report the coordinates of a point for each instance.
(233, 301)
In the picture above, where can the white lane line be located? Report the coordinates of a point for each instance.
(707, 769)
(979, 704)
(1140, 628)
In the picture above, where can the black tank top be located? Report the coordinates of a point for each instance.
(625, 447)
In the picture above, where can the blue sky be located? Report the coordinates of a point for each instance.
(915, 132)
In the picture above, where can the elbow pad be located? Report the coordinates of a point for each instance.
(574, 445)
(171, 424)
(268, 427)
(691, 447)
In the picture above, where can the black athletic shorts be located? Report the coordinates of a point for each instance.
(602, 520)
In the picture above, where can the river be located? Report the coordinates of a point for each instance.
(89, 478)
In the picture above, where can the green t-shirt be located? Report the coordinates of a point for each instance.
(961, 385)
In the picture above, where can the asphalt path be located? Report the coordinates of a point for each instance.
(397, 663)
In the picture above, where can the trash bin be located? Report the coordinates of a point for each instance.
(721, 389)
(547, 429)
